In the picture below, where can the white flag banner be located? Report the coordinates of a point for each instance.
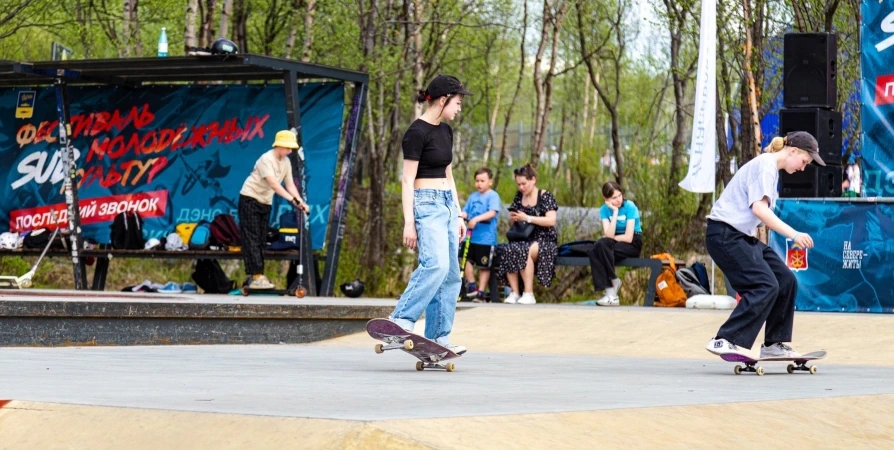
(702, 150)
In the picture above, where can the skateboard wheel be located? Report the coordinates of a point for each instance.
(759, 371)
(450, 367)
(737, 370)
(379, 349)
(419, 365)
(408, 345)
(245, 291)
(790, 368)
(813, 370)
(300, 292)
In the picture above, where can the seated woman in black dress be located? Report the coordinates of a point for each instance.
(537, 255)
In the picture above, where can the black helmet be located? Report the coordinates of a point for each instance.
(353, 289)
(224, 47)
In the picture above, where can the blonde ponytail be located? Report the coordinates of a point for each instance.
(778, 143)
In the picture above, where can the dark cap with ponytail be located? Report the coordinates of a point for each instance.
(442, 86)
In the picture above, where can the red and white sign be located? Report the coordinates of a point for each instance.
(95, 210)
(884, 90)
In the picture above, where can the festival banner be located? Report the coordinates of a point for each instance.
(877, 112)
(173, 153)
(851, 266)
(703, 147)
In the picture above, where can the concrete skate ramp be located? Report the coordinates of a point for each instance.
(535, 377)
(809, 424)
(865, 339)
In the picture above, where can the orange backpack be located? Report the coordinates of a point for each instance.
(670, 293)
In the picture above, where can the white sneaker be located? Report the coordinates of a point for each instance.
(722, 347)
(527, 299)
(406, 325)
(513, 298)
(458, 349)
(261, 282)
(609, 300)
(778, 350)
(616, 284)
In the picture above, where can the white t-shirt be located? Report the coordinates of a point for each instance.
(268, 165)
(755, 180)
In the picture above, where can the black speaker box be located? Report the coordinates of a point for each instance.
(814, 182)
(823, 124)
(810, 70)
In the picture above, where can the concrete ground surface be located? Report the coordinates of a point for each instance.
(540, 376)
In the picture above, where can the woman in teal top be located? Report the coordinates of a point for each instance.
(623, 231)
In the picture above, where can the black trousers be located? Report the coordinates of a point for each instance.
(604, 254)
(766, 285)
(253, 219)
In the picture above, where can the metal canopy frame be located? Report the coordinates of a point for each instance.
(136, 72)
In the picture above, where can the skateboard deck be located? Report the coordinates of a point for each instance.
(300, 292)
(751, 364)
(430, 354)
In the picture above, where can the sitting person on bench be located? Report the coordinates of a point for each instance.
(623, 239)
(537, 254)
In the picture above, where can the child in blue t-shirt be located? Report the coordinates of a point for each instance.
(481, 211)
(623, 239)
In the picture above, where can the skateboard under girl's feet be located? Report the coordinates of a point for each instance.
(430, 354)
(800, 363)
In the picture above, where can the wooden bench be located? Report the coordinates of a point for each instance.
(103, 255)
(654, 265)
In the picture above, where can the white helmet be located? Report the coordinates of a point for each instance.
(9, 241)
(152, 244)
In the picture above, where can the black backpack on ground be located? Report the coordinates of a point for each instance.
(127, 231)
(209, 276)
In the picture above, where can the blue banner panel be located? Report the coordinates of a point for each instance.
(876, 56)
(851, 266)
(173, 153)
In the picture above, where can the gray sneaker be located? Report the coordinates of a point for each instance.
(778, 350)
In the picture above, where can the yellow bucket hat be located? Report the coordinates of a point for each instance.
(286, 139)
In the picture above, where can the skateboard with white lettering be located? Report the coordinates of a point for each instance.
(751, 364)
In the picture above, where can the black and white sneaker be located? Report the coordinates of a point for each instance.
(720, 346)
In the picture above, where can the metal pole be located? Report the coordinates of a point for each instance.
(69, 185)
(340, 211)
(713, 194)
(299, 175)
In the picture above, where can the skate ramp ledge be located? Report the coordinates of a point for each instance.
(52, 318)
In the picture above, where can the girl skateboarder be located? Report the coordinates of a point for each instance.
(766, 286)
(431, 214)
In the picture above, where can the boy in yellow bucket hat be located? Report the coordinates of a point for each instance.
(256, 199)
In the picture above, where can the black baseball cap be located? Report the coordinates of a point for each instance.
(805, 141)
(444, 85)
